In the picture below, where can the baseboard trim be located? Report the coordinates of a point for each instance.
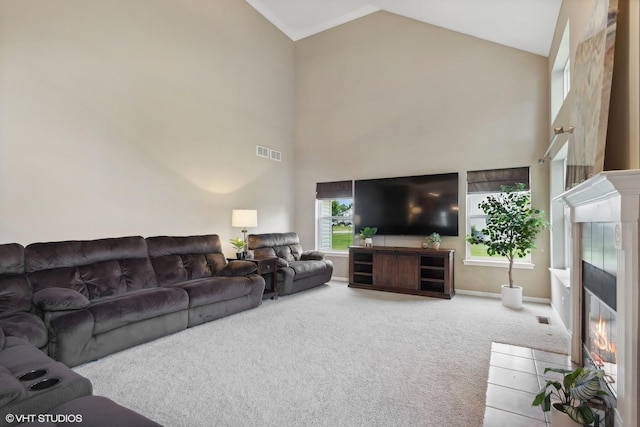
(499, 296)
(339, 279)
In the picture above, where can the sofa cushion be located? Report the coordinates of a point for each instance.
(296, 251)
(15, 294)
(215, 289)
(2, 339)
(312, 256)
(26, 326)
(11, 259)
(285, 253)
(308, 268)
(114, 312)
(283, 245)
(19, 354)
(59, 299)
(94, 268)
(178, 259)
(10, 387)
(267, 252)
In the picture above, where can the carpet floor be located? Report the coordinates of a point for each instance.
(329, 356)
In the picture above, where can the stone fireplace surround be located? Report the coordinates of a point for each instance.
(611, 197)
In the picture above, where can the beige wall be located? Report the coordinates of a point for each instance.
(388, 96)
(141, 117)
(623, 135)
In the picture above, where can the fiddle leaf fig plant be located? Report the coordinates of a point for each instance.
(512, 225)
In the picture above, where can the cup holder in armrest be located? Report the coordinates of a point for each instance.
(32, 375)
(44, 384)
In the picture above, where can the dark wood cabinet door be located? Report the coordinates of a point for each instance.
(408, 271)
(384, 268)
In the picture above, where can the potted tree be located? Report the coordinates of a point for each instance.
(239, 245)
(571, 396)
(511, 230)
(366, 235)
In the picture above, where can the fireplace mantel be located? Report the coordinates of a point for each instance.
(612, 197)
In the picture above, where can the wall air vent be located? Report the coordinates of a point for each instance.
(262, 151)
(276, 155)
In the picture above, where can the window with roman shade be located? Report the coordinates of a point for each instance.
(481, 184)
(334, 216)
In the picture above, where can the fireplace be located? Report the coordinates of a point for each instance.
(605, 296)
(599, 324)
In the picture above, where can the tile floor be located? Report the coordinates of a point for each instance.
(516, 374)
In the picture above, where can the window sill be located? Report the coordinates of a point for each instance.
(498, 264)
(335, 253)
(563, 275)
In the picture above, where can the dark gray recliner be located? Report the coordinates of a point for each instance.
(297, 269)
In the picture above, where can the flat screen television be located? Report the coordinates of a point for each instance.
(408, 205)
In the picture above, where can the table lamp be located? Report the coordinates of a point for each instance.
(244, 218)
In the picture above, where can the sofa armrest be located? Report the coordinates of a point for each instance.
(312, 255)
(59, 299)
(238, 268)
(282, 263)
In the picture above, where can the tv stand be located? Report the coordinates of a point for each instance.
(416, 271)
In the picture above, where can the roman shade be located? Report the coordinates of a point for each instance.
(334, 190)
(490, 181)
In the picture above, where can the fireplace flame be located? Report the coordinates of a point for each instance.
(606, 350)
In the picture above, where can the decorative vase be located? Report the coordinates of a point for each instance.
(425, 245)
(368, 242)
(435, 245)
(561, 419)
(512, 297)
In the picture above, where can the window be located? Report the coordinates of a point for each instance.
(566, 74)
(481, 184)
(334, 216)
(560, 74)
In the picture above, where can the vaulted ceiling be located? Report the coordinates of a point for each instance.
(523, 24)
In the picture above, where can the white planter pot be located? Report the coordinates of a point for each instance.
(368, 242)
(560, 419)
(512, 297)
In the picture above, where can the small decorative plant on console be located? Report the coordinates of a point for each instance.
(511, 230)
(239, 245)
(366, 235)
(432, 241)
(571, 395)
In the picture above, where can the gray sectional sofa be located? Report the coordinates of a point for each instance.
(101, 296)
(34, 388)
(66, 303)
(82, 300)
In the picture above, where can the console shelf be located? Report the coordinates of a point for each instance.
(426, 272)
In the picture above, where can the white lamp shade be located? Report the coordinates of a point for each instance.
(244, 218)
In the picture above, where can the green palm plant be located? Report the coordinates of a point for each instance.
(577, 388)
(237, 243)
(367, 232)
